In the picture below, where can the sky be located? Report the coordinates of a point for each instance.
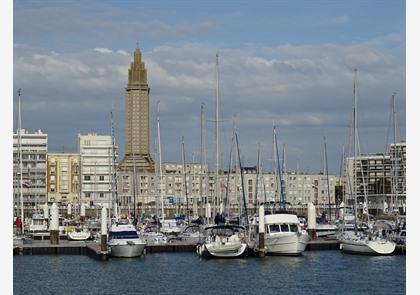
(288, 63)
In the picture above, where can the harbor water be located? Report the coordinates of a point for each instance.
(316, 272)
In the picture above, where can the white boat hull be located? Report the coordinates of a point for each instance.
(367, 247)
(286, 244)
(222, 251)
(78, 236)
(127, 250)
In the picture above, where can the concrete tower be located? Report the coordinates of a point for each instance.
(137, 132)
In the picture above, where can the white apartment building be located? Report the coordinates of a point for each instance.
(34, 148)
(96, 169)
(149, 187)
(381, 176)
(300, 188)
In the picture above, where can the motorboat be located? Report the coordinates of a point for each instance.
(38, 223)
(365, 243)
(223, 241)
(124, 241)
(325, 229)
(169, 227)
(191, 234)
(283, 234)
(151, 235)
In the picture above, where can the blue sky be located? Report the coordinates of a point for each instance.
(287, 62)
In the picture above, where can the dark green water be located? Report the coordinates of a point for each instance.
(317, 272)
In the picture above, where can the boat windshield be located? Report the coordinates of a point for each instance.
(277, 228)
(293, 228)
(123, 235)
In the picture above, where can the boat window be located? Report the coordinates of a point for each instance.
(284, 227)
(293, 228)
(274, 228)
(123, 235)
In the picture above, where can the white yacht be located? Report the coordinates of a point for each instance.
(283, 234)
(124, 241)
(223, 241)
(169, 226)
(152, 236)
(361, 243)
(38, 223)
(325, 229)
(191, 234)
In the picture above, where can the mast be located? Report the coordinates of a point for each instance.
(160, 162)
(22, 215)
(394, 196)
(217, 134)
(201, 158)
(242, 181)
(185, 179)
(355, 147)
(256, 180)
(114, 165)
(279, 172)
(282, 176)
(328, 181)
(228, 174)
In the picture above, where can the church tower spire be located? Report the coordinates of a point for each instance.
(137, 132)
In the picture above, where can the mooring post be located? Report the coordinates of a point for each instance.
(54, 236)
(261, 232)
(103, 229)
(311, 221)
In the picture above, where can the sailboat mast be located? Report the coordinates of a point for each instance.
(394, 162)
(217, 134)
(355, 146)
(160, 161)
(114, 165)
(328, 181)
(185, 179)
(20, 163)
(279, 173)
(201, 158)
(256, 180)
(242, 181)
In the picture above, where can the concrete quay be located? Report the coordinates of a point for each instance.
(93, 249)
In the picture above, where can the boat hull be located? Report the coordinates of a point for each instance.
(78, 236)
(286, 244)
(227, 251)
(366, 247)
(127, 250)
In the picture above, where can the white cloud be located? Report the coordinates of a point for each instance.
(103, 50)
(305, 89)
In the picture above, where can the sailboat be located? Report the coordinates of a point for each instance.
(360, 242)
(223, 240)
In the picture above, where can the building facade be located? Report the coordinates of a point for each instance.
(197, 184)
(382, 177)
(63, 178)
(137, 119)
(34, 147)
(96, 169)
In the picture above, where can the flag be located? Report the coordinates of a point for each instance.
(26, 185)
(223, 185)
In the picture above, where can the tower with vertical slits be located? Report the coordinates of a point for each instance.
(137, 132)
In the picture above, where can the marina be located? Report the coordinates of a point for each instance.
(185, 151)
